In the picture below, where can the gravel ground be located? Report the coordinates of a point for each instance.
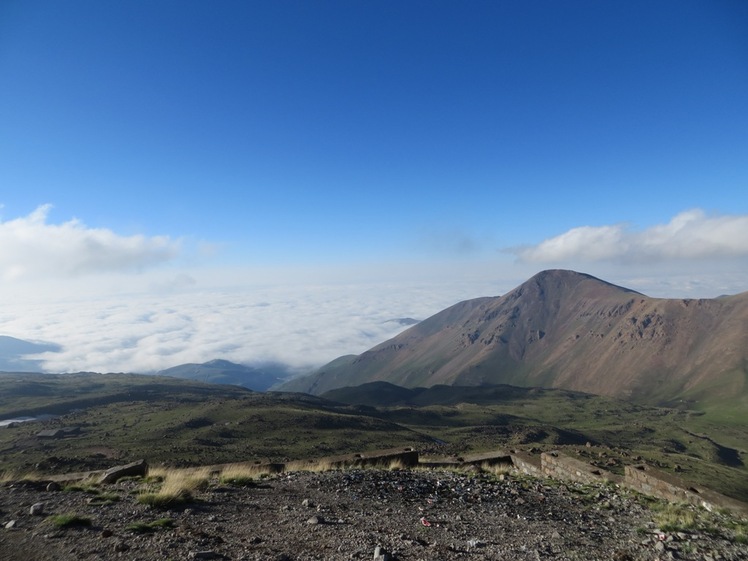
(345, 515)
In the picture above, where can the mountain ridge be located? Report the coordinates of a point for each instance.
(568, 330)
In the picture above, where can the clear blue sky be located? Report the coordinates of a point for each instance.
(344, 129)
(523, 134)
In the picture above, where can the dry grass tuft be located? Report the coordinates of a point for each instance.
(396, 464)
(177, 487)
(243, 474)
(498, 470)
(675, 517)
(10, 476)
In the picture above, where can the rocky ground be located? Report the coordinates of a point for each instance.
(357, 514)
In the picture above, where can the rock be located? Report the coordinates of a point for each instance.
(135, 469)
(121, 546)
(307, 503)
(107, 534)
(474, 544)
(205, 555)
(37, 509)
(316, 520)
(381, 554)
(53, 486)
(10, 525)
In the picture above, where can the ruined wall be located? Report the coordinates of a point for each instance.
(641, 478)
(560, 466)
(527, 463)
(656, 483)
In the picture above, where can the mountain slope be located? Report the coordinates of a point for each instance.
(568, 330)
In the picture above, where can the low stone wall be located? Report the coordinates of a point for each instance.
(407, 457)
(495, 458)
(560, 466)
(641, 478)
(656, 483)
(527, 463)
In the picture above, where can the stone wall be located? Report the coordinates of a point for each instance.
(406, 457)
(527, 463)
(641, 478)
(560, 466)
(644, 479)
(656, 483)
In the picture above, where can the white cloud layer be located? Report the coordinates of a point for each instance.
(691, 235)
(109, 320)
(303, 327)
(32, 248)
(150, 324)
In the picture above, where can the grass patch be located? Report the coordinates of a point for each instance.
(676, 518)
(103, 499)
(243, 475)
(10, 476)
(685, 518)
(69, 520)
(396, 465)
(99, 497)
(150, 527)
(497, 470)
(90, 488)
(164, 500)
(177, 488)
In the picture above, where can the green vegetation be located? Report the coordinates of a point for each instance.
(164, 501)
(686, 518)
(180, 424)
(69, 520)
(99, 496)
(150, 527)
(675, 517)
(90, 488)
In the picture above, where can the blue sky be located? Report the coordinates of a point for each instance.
(195, 145)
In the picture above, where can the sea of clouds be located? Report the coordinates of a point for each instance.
(118, 303)
(299, 326)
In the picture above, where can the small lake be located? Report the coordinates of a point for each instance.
(42, 417)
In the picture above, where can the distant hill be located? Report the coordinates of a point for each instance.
(563, 329)
(225, 372)
(13, 352)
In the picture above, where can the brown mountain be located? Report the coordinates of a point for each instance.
(564, 329)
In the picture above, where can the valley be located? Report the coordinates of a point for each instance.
(172, 422)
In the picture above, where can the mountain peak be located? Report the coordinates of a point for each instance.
(569, 330)
(559, 281)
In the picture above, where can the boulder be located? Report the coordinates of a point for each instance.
(381, 554)
(37, 509)
(135, 469)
